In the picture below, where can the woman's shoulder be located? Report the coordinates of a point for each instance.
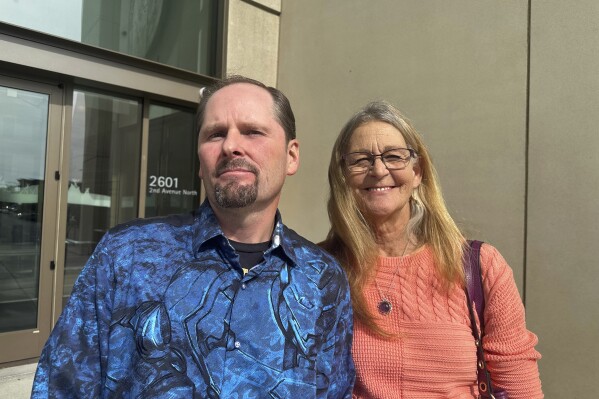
(491, 257)
(495, 269)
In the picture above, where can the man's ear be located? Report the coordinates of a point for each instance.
(292, 157)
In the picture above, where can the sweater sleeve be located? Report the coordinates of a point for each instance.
(71, 365)
(509, 347)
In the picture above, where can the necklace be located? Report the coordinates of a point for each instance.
(384, 305)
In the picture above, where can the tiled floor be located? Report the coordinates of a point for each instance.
(15, 382)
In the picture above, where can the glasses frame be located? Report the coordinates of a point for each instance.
(372, 157)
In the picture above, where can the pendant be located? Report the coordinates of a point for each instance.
(385, 307)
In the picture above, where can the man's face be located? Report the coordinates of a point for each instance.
(244, 156)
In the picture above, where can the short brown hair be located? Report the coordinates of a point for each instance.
(281, 106)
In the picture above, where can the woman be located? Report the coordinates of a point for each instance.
(402, 252)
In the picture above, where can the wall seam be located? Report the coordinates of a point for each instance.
(526, 153)
(263, 7)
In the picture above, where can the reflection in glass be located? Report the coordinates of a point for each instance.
(182, 34)
(104, 174)
(173, 185)
(23, 130)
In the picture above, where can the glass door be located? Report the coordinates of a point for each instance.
(30, 126)
(103, 176)
(63, 186)
(172, 184)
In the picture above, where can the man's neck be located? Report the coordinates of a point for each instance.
(246, 225)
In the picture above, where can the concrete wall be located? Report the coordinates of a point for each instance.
(252, 39)
(456, 69)
(522, 178)
(563, 222)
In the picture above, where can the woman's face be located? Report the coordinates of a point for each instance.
(384, 194)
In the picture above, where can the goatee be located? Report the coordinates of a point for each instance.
(233, 194)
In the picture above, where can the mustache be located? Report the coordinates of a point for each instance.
(237, 163)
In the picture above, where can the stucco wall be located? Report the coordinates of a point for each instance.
(563, 220)
(252, 39)
(512, 133)
(456, 69)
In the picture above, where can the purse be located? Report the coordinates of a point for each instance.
(475, 294)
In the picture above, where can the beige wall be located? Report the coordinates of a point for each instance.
(459, 70)
(252, 39)
(563, 222)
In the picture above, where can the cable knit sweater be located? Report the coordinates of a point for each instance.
(434, 355)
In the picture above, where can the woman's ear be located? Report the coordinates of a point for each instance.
(417, 174)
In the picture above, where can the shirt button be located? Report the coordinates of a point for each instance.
(237, 344)
(243, 286)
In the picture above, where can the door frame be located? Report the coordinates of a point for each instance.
(27, 344)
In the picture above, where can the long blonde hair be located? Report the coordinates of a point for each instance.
(351, 239)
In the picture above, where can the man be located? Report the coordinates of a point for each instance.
(223, 303)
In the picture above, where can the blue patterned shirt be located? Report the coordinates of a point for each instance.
(161, 310)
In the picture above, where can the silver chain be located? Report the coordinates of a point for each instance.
(384, 297)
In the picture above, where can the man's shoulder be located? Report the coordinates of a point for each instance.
(307, 250)
(152, 226)
(318, 268)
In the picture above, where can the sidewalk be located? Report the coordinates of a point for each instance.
(15, 382)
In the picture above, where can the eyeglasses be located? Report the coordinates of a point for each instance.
(393, 159)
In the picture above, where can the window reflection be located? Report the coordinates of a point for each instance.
(180, 33)
(172, 185)
(104, 173)
(23, 130)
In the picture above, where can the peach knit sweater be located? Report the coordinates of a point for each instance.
(435, 356)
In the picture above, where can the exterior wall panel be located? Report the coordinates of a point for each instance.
(253, 41)
(457, 69)
(563, 187)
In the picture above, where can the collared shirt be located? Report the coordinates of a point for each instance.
(161, 311)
